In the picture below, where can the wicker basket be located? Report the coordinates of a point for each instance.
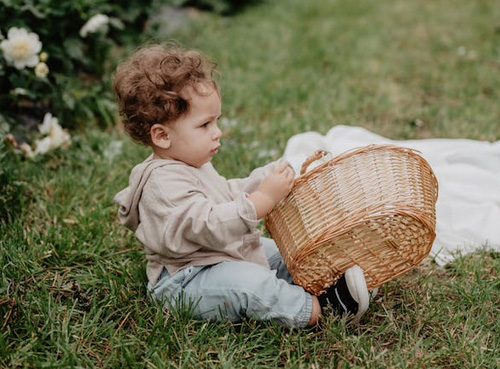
(374, 207)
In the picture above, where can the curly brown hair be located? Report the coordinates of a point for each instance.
(150, 86)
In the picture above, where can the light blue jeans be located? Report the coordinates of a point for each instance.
(238, 289)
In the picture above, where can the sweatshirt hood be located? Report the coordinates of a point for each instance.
(128, 199)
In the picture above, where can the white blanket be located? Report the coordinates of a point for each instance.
(468, 173)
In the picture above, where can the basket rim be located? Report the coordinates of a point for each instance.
(358, 150)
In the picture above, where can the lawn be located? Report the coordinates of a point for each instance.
(73, 284)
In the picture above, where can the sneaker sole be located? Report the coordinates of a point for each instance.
(356, 283)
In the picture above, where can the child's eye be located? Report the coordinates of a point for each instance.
(205, 125)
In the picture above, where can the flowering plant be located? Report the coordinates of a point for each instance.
(21, 48)
(21, 51)
(53, 136)
(54, 59)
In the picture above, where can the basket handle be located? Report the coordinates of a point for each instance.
(319, 154)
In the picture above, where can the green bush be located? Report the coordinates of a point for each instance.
(65, 75)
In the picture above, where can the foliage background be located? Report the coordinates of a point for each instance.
(75, 91)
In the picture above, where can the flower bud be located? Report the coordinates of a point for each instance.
(41, 70)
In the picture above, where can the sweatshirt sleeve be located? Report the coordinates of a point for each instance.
(183, 219)
(252, 182)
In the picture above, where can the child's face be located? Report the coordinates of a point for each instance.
(195, 137)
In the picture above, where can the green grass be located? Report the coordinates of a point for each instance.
(72, 287)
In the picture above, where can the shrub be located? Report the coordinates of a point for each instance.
(54, 57)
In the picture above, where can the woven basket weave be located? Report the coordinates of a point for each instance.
(374, 207)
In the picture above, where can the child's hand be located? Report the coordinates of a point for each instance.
(278, 184)
(272, 189)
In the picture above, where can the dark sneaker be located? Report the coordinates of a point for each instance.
(349, 295)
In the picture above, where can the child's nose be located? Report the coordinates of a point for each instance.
(217, 134)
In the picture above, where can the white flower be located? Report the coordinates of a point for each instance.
(98, 23)
(56, 135)
(43, 56)
(19, 91)
(41, 70)
(42, 146)
(21, 48)
(59, 137)
(48, 122)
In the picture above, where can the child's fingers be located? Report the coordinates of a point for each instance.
(290, 171)
(287, 172)
(288, 176)
(282, 166)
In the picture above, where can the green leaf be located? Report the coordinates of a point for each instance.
(74, 48)
(69, 101)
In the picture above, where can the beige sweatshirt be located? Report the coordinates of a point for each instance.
(191, 216)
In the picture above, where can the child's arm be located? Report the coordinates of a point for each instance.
(276, 186)
(249, 184)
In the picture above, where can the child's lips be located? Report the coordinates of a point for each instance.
(214, 151)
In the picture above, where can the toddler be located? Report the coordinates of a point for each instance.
(199, 230)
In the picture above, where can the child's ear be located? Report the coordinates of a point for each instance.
(160, 136)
